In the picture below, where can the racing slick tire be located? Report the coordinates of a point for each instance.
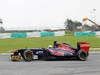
(82, 55)
(28, 55)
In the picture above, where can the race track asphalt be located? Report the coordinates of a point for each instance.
(58, 67)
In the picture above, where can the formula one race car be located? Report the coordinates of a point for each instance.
(58, 51)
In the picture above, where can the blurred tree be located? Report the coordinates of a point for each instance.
(1, 21)
(69, 24)
(72, 25)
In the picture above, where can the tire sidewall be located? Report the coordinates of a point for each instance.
(82, 55)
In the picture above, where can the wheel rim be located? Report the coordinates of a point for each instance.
(28, 56)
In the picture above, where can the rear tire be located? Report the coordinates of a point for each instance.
(82, 55)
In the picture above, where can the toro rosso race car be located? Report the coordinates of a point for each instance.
(57, 51)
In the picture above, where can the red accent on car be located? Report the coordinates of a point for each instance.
(65, 47)
(84, 46)
(57, 53)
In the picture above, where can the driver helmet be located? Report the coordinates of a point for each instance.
(50, 46)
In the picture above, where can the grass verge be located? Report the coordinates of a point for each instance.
(16, 43)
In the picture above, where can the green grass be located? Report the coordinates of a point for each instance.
(10, 44)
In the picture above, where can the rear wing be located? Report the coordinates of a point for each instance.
(83, 46)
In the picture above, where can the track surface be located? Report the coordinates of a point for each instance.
(65, 67)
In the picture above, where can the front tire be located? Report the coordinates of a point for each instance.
(28, 55)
